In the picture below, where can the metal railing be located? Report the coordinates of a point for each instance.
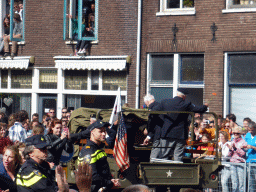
(236, 177)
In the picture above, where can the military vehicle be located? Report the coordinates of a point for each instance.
(194, 173)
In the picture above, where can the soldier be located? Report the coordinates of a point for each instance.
(93, 154)
(35, 173)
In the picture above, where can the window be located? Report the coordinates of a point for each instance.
(192, 69)
(76, 80)
(48, 79)
(241, 4)
(21, 79)
(17, 20)
(240, 86)
(80, 20)
(114, 79)
(4, 79)
(176, 7)
(167, 72)
(13, 102)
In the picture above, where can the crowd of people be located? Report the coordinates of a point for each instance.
(237, 144)
(17, 29)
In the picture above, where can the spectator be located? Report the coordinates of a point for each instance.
(12, 119)
(68, 115)
(27, 126)
(4, 139)
(52, 113)
(35, 117)
(251, 153)
(224, 149)
(84, 177)
(21, 147)
(6, 32)
(80, 43)
(64, 112)
(231, 118)
(225, 127)
(17, 33)
(246, 122)
(197, 125)
(37, 130)
(11, 162)
(17, 132)
(64, 122)
(136, 188)
(3, 118)
(20, 3)
(205, 147)
(237, 155)
(207, 129)
(58, 141)
(10, 167)
(18, 10)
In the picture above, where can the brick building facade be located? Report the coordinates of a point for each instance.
(228, 65)
(170, 57)
(56, 78)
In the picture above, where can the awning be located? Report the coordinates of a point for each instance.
(115, 63)
(16, 62)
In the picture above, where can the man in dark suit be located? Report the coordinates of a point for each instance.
(155, 123)
(174, 131)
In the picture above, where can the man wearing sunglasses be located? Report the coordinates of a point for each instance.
(35, 173)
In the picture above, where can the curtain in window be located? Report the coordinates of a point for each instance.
(74, 101)
(242, 103)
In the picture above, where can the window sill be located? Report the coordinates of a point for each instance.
(239, 10)
(188, 11)
(75, 42)
(19, 43)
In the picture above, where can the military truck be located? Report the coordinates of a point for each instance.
(194, 173)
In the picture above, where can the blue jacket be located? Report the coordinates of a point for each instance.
(251, 153)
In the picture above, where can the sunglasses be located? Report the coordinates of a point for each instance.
(52, 112)
(236, 133)
(64, 112)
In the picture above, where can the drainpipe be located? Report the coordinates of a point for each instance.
(137, 105)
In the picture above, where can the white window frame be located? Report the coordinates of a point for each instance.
(175, 11)
(226, 99)
(176, 74)
(237, 9)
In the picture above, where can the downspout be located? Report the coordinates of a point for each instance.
(137, 105)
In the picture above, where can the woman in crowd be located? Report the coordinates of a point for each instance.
(4, 139)
(10, 166)
(224, 145)
(59, 140)
(238, 155)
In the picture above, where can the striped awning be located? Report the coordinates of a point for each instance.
(116, 63)
(16, 62)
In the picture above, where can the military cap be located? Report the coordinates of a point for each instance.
(98, 124)
(37, 140)
(183, 90)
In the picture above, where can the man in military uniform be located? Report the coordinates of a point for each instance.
(35, 173)
(93, 154)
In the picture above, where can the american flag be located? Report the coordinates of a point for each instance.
(120, 149)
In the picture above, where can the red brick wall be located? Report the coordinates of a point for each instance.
(117, 33)
(236, 32)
